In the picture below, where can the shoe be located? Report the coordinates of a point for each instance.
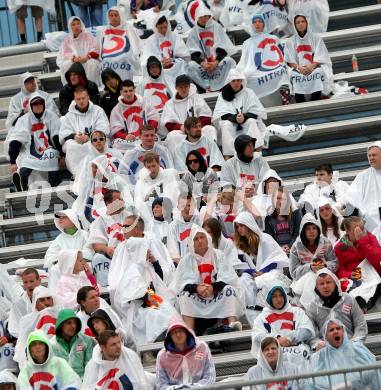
(16, 179)
(236, 325)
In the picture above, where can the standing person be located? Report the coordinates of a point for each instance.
(90, 11)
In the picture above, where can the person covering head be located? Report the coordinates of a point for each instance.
(240, 145)
(8, 381)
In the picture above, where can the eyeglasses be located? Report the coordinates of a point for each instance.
(101, 139)
(193, 161)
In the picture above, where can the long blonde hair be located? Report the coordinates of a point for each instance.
(248, 244)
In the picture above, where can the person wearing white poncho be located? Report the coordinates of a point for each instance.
(206, 284)
(210, 48)
(307, 55)
(238, 111)
(7, 378)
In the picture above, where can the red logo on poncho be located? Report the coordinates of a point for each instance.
(47, 324)
(111, 382)
(43, 381)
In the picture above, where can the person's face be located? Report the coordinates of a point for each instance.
(92, 302)
(200, 243)
(7, 386)
(325, 285)
(30, 282)
(99, 325)
(43, 303)
(76, 27)
(112, 82)
(98, 140)
(325, 212)
(202, 20)
(64, 222)
(271, 185)
(258, 25)
(154, 70)
(113, 348)
(38, 107)
(157, 211)
(162, 28)
(281, 201)
(323, 177)
(130, 230)
(195, 131)
(271, 354)
(277, 300)
(374, 157)
(311, 232)
(147, 138)
(178, 336)
(335, 334)
(114, 18)
(38, 351)
(153, 168)
(187, 207)
(82, 99)
(74, 78)
(69, 327)
(249, 150)
(300, 24)
(242, 230)
(193, 162)
(183, 90)
(236, 85)
(350, 232)
(128, 93)
(30, 85)
(208, 229)
(79, 263)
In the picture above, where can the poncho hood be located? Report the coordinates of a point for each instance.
(252, 30)
(245, 218)
(262, 362)
(240, 144)
(40, 336)
(326, 271)
(66, 261)
(24, 77)
(100, 314)
(270, 174)
(33, 97)
(269, 298)
(174, 324)
(121, 15)
(64, 315)
(42, 292)
(108, 74)
(295, 31)
(202, 164)
(209, 255)
(151, 61)
(78, 68)
(202, 10)
(69, 25)
(7, 378)
(71, 214)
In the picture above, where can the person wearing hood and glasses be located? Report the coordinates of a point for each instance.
(110, 95)
(8, 381)
(19, 104)
(184, 360)
(120, 46)
(339, 353)
(210, 48)
(34, 145)
(270, 364)
(308, 58)
(43, 369)
(263, 62)
(238, 111)
(79, 46)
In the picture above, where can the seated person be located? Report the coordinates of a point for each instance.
(355, 251)
(79, 46)
(182, 349)
(308, 57)
(8, 380)
(41, 360)
(7, 346)
(210, 49)
(274, 13)
(158, 226)
(110, 95)
(330, 219)
(330, 300)
(340, 353)
(271, 363)
(201, 276)
(34, 145)
(129, 115)
(137, 5)
(76, 77)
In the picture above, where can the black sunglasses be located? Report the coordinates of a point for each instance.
(101, 139)
(193, 161)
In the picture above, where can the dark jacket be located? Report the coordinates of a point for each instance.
(67, 92)
(109, 99)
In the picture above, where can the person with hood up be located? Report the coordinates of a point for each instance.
(138, 280)
(330, 220)
(289, 324)
(184, 360)
(43, 369)
(339, 353)
(271, 364)
(245, 167)
(71, 345)
(7, 345)
(210, 49)
(260, 259)
(114, 365)
(206, 284)
(185, 103)
(77, 125)
(112, 85)
(263, 62)
(120, 46)
(311, 67)
(76, 77)
(8, 381)
(169, 47)
(79, 46)
(19, 104)
(129, 116)
(71, 237)
(330, 300)
(33, 145)
(238, 111)
(158, 227)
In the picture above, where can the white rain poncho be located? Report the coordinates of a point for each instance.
(125, 372)
(20, 307)
(46, 5)
(7, 350)
(7, 377)
(10, 291)
(317, 12)
(234, 13)
(36, 135)
(349, 354)
(206, 40)
(262, 370)
(76, 122)
(130, 277)
(20, 102)
(129, 118)
(290, 322)
(212, 267)
(275, 17)
(244, 102)
(120, 48)
(365, 194)
(263, 62)
(85, 44)
(304, 51)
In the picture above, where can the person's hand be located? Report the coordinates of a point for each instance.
(130, 137)
(205, 65)
(240, 118)
(86, 267)
(83, 59)
(3, 341)
(14, 168)
(213, 66)
(134, 14)
(201, 289)
(284, 341)
(167, 62)
(156, 8)
(151, 257)
(257, 273)
(81, 138)
(359, 232)
(319, 345)
(209, 292)
(249, 191)
(356, 274)
(286, 249)
(110, 251)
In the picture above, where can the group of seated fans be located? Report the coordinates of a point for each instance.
(179, 227)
